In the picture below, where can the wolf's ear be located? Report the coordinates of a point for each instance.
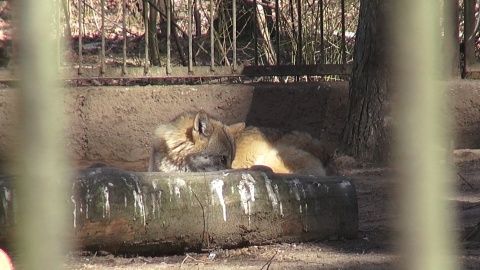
(202, 125)
(235, 128)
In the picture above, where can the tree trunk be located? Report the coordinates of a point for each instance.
(367, 131)
(154, 47)
(159, 213)
(267, 47)
(197, 16)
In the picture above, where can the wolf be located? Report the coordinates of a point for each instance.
(193, 142)
(196, 142)
(292, 152)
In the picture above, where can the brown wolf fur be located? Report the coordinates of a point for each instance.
(192, 143)
(197, 142)
(292, 152)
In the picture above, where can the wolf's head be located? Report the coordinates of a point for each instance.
(214, 145)
(194, 143)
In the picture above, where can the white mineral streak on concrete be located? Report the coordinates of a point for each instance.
(170, 188)
(295, 190)
(159, 200)
(275, 188)
(74, 211)
(7, 198)
(156, 196)
(273, 195)
(106, 202)
(300, 194)
(92, 173)
(345, 184)
(138, 202)
(87, 202)
(155, 204)
(174, 186)
(246, 189)
(154, 185)
(217, 186)
(154, 201)
(190, 195)
(179, 183)
(7, 194)
(14, 202)
(306, 218)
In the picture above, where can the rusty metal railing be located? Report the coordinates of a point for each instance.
(471, 67)
(290, 38)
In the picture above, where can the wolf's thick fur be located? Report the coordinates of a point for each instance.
(192, 143)
(196, 142)
(291, 152)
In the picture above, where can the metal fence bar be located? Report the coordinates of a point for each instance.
(255, 30)
(58, 25)
(205, 71)
(469, 25)
(169, 36)
(234, 10)
(322, 34)
(277, 31)
(102, 54)
(288, 14)
(43, 173)
(124, 32)
(427, 182)
(212, 37)
(80, 35)
(300, 33)
(190, 39)
(292, 18)
(344, 48)
(146, 6)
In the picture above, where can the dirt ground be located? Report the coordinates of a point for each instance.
(375, 248)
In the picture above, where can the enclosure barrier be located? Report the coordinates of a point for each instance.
(159, 213)
(246, 38)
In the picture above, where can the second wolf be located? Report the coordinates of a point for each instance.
(197, 142)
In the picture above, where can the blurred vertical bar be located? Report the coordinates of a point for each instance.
(102, 53)
(169, 35)
(58, 24)
(41, 165)
(427, 239)
(234, 11)
(145, 19)
(124, 31)
(80, 34)
(190, 45)
(212, 38)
